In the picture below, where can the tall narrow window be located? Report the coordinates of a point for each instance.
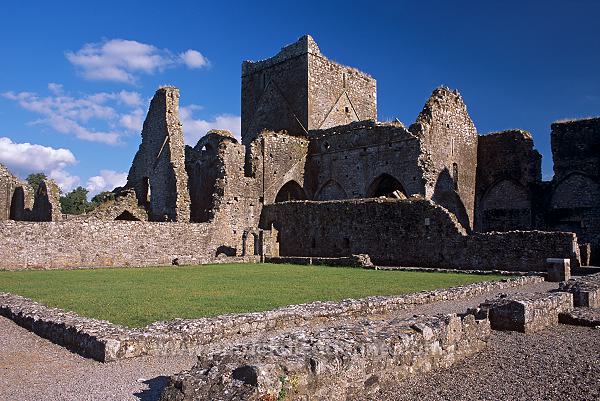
(455, 175)
(344, 79)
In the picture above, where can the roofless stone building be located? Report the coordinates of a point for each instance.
(317, 175)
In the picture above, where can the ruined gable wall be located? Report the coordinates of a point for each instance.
(274, 93)
(158, 168)
(337, 94)
(352, 157)
(407, 233)
(507, 169)
(450, 143)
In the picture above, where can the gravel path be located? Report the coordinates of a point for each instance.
(32, 368)
(561, 363)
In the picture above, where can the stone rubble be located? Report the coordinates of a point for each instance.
(585, 290)
(525, 313)
(333, 363)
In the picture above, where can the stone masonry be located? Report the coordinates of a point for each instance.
(158, 171)
(336, 363)
(300, 90)
(309, 133)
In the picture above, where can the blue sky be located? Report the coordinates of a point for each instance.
(76, 77)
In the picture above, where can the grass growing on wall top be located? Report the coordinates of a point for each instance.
(136, 297)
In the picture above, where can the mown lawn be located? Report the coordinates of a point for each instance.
(136, 297)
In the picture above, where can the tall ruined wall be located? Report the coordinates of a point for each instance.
(450, 158)
(158, 171)
(205, 167)
(96, 243)
(350, 161)
(274, 92)
(46, 204)
(574, 194)
(338, 95)
(576, 147)
(407, 233)
(15, 193)
(299, 90)
(508, 168)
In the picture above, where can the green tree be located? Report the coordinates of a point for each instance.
(75, 202)
(34, 180)
(102, 197)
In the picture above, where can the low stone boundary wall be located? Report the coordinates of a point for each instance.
(105, 341)
(97, 243)
(460, 271)
(526, 313)
(362, 261)
(585, 290)
(337, 363)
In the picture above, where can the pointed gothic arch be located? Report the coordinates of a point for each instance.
(291, 190)
(331, 190)
(386, 186)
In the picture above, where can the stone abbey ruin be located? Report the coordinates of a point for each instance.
(316, 174)
(317, 179)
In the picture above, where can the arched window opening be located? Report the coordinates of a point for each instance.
(386, 186)
(290, 191)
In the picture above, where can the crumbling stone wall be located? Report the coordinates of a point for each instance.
(15, 196)
(158, 173)
(353, 161)
(507, 169)
(407, 233)
(46, 204)
(450, 153)
(574, 200)
(339, 362)
(299, 90)
(19, 202)
(123, 207)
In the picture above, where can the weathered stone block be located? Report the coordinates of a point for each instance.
(588, 317)
(527, 313)
(585, 290)
(558, 270)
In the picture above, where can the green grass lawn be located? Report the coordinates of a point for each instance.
(138, 296)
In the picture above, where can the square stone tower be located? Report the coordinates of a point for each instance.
(299, 90)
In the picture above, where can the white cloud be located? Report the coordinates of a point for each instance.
(70, 114)
(106, 181)
(133, 121)
(122, 60)
(55, 88)
(194, 129)
(193, 59)
(26, 158)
